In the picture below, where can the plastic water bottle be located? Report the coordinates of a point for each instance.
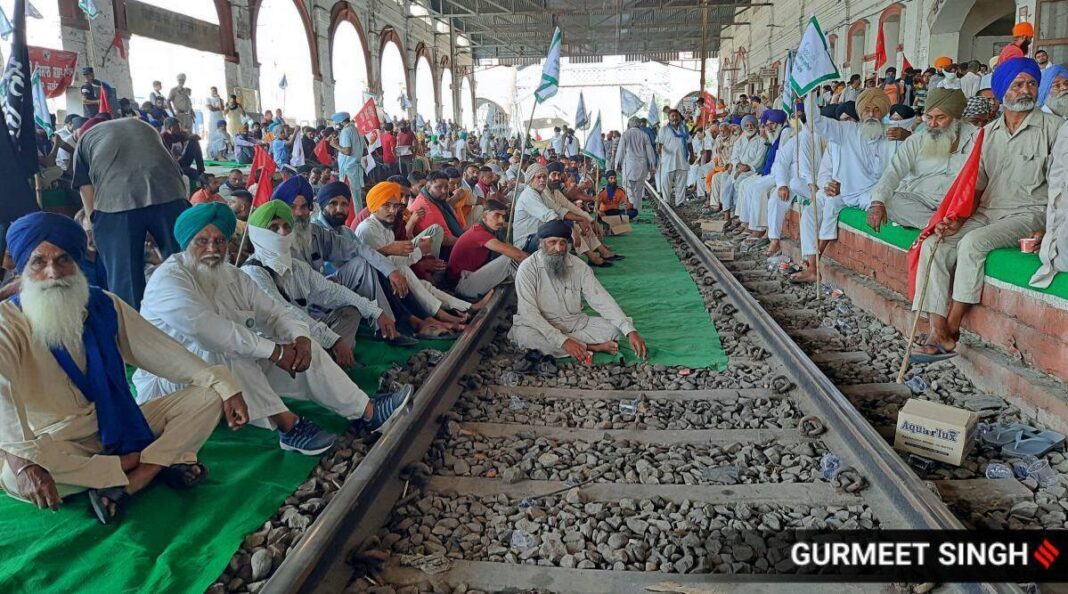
(916, 384)
(996, 470)
(526, 503)
(829, 465)
(510, 378)
(522, 540)
(629, 407)
(517, 403)
(1042, 473)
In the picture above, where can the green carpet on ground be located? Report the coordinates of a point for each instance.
(226, 164)
(1008, 265)
(655, 290)
(171, 541)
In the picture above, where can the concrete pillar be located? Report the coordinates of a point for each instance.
(323, 88)
(245, 73)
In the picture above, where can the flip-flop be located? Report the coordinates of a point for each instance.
(547, 367)
(941, 355)
(1028, 446)
(174, 476)
(116, 495)
(527, 363)
(1001, 435)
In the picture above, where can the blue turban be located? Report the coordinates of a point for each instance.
(295, 186)
(1007, 71)
(195, 218)
(332, 190)
(848, 108)
(736, 120)
(1048, 76)
(775, 115)
(340, 116)
(29, 231)
(220, 123)
(749, 119)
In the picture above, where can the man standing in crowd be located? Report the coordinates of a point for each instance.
(636, 160)
(180, 102)
(350, 146)
(674, 143)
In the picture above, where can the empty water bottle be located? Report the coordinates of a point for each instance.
(517, 403)
(526, 503)
(916, 384)
(629, 407)
(829, 465)
(844, 308)
(510, 378)
(522, 540)
(996, 470)
(1042, 473)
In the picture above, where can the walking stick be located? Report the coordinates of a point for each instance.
(916, 316)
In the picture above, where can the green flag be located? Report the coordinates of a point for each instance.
(594, 144)
(812, 64)
(89, 8)
(41, 117)
(550, 74)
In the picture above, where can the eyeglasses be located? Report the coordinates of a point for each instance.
(203, 242)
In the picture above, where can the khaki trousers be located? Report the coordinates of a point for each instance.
(911, 210)
(181, 422)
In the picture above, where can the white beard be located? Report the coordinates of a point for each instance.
(872, 129)
(556, 264)
(209, 277)
(1058, 104)
(56, 309)
(1023, 104)
(938, 142)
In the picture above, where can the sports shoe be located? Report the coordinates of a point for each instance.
(386, 405)
(306, 438)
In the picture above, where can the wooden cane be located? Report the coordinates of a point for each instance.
(916, 316)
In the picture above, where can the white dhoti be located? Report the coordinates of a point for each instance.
(754, 194)
(635, 192)
(429, 297)
(675, 188)
(776, 209)
(590, 330)
(715, 193)
(828, 223)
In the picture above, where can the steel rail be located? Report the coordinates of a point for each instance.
(375, 479)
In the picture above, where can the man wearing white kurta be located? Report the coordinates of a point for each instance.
(636, 159)
(747, 155)
(857, 154)
(223, 317)
(674, 142)
(793, 174)
(551, 286)
(752, 191)
(536, 206)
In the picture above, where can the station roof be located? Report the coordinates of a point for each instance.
(519, 31)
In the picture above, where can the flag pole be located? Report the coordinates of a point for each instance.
(815, 202)
(519, 174)
(916, 317)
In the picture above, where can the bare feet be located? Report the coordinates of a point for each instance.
(447, 317)
(774, 248)
(805, 276)
(611, 347)
(482, 302)
(594, 258)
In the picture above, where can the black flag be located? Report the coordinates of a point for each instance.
(18, 96)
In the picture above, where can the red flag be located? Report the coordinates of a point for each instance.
(263, 168)
(880, 48)
(105, 107)
(958, 204)
(116, 42)
(905, 63)
(322, 153)
(259, 159)
(349, 220)
(367, 118)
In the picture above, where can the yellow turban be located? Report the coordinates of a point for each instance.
(942, 62)
(874, 96)
(382, 193)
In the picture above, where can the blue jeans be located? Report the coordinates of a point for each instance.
(120, 244)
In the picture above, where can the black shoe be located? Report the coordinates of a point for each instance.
(616, 257)
(400, 341)
(601, 265)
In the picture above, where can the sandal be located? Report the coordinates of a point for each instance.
(530, 359)
(942, 355)
(1028, 446)
(547, 367)
(116, 496)
(175, 475)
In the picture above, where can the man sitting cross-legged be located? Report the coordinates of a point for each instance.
(218, 313)
(69, 422)
(551, 285)
(471, 269)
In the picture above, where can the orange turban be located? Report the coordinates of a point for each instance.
(1024, 29)
(942, 62)
(382, 193)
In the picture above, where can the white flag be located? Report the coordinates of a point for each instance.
(550, 74)
(33, 13)
(297, 158)
(787, 98)
(629, 103)
(654, 113)
(6, 28)
(282, 84)
(368, 163)
(581, 118)
(813, 63)
(594, 144)
(41, 117)
(420, 123)
(405, 103)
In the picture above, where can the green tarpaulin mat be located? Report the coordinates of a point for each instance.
(171, 541)
(1008, 265)
(226, 164)
(655, 290)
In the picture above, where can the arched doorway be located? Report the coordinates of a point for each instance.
(424, 88)
(285, 60)
(857, 40)
(349, 63)
(394, 83)
(890, 20)
(467, 105)
(446, 94)
(973, 30)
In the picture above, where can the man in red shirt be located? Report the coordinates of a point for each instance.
(405, 148)
(389, 149)
(470, 269)
(1022, 33)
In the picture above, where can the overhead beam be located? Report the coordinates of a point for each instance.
(599, 11)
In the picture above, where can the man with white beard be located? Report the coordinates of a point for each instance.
(752, 191)
(221, 315)
(635, 160)
(856, 157)
(551, 285)
(925, 165)
(674, 143)
(1012, 204)
(1053, 92)
(67, 419)
(747, 155)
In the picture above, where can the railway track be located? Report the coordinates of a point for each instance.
(614, 478)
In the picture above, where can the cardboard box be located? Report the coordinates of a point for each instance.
(617, 224)
(717, 226)
(935, 431)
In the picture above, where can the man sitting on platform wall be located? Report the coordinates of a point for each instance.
(551, 285)
(751, 192)
(924, 166)
(857, 155)
(1012, 206)
(747, 155)
(222, 316)
(794, 175)
(69, 420)
(479, 260)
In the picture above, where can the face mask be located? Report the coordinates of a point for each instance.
(272, 249)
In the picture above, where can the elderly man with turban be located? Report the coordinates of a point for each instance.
(69, 422)
(635, 160)
(924, 167)
(1054, 249)
(225, 318)
(588, 243)
(1013, 195)
(1022, 34)
(674, 142)
(747, 156)
(752, 191)
(535, 205)
(386, 201)
(550, 286)
(1053, 91)
(857, 155)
